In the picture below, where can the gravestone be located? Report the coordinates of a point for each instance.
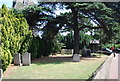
(84, 53)
(67, 51)
(71, 51)
(26, 59)
(62, 51)
(17, 59)
(76, 58)
(1, 74)
(89, 53)
(80, 52)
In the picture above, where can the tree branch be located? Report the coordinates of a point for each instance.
(89, 27)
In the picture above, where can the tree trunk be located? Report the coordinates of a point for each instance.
(76, 31)
(76, 41)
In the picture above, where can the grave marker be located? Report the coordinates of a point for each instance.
(76, 58)
(26, 59)
(17, 59)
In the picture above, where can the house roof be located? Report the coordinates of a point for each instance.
(94, 41)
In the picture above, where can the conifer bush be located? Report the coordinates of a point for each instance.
(15, 35)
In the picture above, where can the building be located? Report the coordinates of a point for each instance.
(21, 4)
(94, 45)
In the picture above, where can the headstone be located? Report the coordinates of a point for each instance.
(80, 52)
(1, 74)
(84, 53)
(76, 58)
(17, 59)
(71, 51)
(68, 51)
(89, 53)
(62, 51)
(26, 59)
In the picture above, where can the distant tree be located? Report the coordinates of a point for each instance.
(67, 40)
(84, 40)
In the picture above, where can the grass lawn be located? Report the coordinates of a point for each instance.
(55, 67)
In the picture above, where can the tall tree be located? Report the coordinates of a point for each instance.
(81, 16)
(115, 6)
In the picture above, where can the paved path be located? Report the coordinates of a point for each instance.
(114, 72)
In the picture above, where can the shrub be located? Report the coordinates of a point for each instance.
(117, 45)
(57, 47)
(110, 45)
(34, 48)
(15, 35)
(6, 58)
(41, 47)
